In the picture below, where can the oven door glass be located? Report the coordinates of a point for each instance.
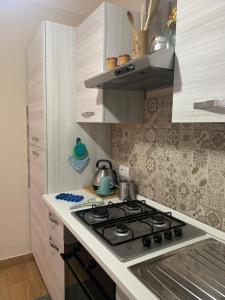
(79, 284)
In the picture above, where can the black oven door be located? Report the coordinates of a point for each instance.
(85, 279)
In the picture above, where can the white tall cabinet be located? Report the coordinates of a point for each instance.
(51, 69)
(105, 33)
(200, 62)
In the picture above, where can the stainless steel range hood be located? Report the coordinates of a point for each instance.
(150, 72)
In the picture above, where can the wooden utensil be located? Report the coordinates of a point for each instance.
(153, 5)
(148, 15)
(142, 16)
(131, 19)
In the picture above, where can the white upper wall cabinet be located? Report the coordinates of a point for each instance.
(200, 62)
(105, 33)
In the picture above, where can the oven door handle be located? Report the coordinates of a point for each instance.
(66, 257)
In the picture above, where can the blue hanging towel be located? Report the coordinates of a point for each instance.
(79, 158)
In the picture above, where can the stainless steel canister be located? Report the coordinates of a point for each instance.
(131, 190)
(122, 189)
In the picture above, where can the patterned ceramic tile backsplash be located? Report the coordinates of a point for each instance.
(179, 165)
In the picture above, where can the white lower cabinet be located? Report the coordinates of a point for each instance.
(55, 228)
(55, 265)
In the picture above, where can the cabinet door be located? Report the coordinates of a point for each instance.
(35, 90)
(38, 222)
(55, 227)
(90, 62)
(103, 34)
(55, 265)
(200, 60)
(45, 248)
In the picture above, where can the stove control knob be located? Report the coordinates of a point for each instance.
(158, 238)
(168, 235)
(76, 247)
(178, 231)
(90, 265)
(147, 241)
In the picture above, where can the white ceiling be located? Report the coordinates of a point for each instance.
(86, 6)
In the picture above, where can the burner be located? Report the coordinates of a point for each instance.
(159, 221)
(125, 226)
(121, 230)
(100, 213)
(133, 207)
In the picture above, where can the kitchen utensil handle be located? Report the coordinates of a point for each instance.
(88, 114)
(52, 219)
(52, 244)
(210, 104)
(87, 202)
(105, 161)
(115, 175)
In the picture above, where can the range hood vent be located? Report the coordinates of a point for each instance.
(151, 72)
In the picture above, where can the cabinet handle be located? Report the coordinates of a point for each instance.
(35, 153)
(52, 219)
(216, 105)
(52, 244)
(88, 114)
(35, 138)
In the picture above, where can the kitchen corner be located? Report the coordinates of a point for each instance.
(125, 281)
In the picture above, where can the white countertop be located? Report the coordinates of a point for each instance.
(116, 269)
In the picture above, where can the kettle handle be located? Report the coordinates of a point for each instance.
(103, 160)
(115, 176)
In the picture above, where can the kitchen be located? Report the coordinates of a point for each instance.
(162, 127)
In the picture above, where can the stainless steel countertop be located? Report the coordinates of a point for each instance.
(192, 272)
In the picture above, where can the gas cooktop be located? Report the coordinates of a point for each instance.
(133, 228)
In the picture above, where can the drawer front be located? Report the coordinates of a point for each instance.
(56, 272)
(55, 228)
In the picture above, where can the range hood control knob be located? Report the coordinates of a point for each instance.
(178, 231)
(147, 241)
(131, 67)
(124, 69)
(158, 238)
